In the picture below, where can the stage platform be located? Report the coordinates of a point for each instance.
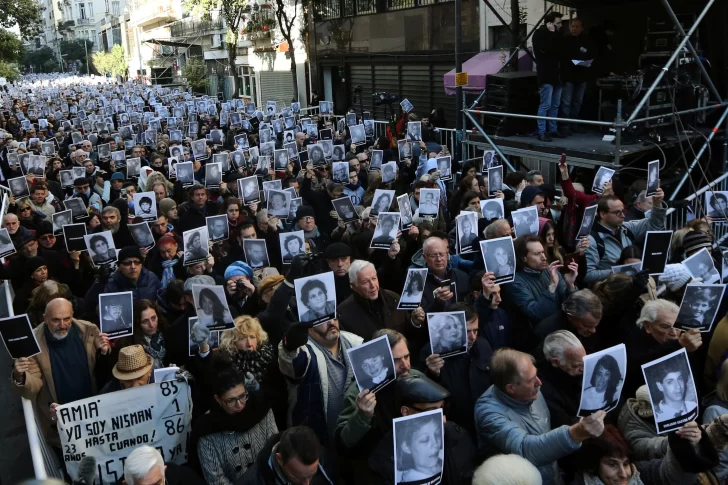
(586, 150)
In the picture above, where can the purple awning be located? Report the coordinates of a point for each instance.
(482, 64)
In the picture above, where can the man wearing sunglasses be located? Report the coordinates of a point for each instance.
(611, 234)
(132, 276)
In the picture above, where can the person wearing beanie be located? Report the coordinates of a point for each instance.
(240, 290)
(132, 276)
(611, 234)
(45, 236)
(320, 201)
(168, 208)
(82, 190)
(116, 183)
(413, 395)
(338, 258)
(694, 241)
(306, 221)
(637, 424)
(36, 273)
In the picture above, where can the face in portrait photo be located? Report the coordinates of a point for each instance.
(492, 209)
(419, 448)
(116, 314)
(603, 379)
(61, 219)
(382, 201)
(389, 172)
(142, 234)
(248, 188)
(316, 298)
(101, 247)
(448, 333)
(414, 286)
(372, 364)
(467, 223)
(701, 265)
(345, 209)
(212, 308)
(196, 245)
(386, 230)
(256, 253)
(672, 390)
(699, 306)
(525, 221)
(278, 202)
(217, 227)
(500, 258)
(291, 245)
(429, 202)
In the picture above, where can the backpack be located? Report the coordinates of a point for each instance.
(600, 241)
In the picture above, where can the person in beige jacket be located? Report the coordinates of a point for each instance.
(63, 372)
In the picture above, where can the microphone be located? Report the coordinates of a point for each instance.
(86, 471)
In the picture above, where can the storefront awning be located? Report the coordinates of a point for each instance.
(482, 64)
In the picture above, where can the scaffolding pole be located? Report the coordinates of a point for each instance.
(490, 141)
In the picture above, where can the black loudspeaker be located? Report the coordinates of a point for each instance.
(510, 92)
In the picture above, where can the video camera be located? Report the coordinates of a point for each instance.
(383, 97)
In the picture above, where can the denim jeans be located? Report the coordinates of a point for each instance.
(549, 106)
(572, 97)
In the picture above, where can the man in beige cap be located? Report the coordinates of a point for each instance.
(132, 369)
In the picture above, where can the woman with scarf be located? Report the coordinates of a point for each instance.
(235, 214)
(36, 272)
(167, 260)
(226, 441)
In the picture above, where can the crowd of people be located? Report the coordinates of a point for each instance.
(275, 399)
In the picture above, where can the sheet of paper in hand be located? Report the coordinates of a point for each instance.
(699, 306)
(448, 333)
(499, 257)
(603, 380)
(212, 307)
(18, 336)
(109, 426)
(467, 231)
(73, 235)
(525, 221)
(385, 232)
(414, 463)
(672, 391)
(656, 252)
(116, 314)
(414, 287)
(6, 244)
(603, 176)
(590, 214)
(373, 364)
(316, 298)
(716, 205)
(701, 265)
(653, 178)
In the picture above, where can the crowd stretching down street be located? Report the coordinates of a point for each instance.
(210, 291)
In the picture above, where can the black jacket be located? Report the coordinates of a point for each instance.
(548, 49)
(561, 391)
(462, 285)
(576, 49)
(191, 217)
(364, 317)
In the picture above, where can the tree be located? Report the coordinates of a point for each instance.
(75, 50)
(195, 72)
(286, 19)
(11, 48)
(40, 60)
(113, 62)
(233, 11)
(8, 71)
(23, 13)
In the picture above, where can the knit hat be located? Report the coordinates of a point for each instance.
(304, 211)
(198, 280)
(238, 268)
(694, 241)
(528, 194)
(34, 263)
(642, 406)
(337, 250)
(117, 176)
(80, 181)
(166, 205)
(675, 276)
(22, 237)
(132, 363)
(541, 222)
(129, 252)
(43, 228)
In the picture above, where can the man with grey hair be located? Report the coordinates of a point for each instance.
(655, 337)
(370, 308)
(580, 313)
(560, 371)
(498, 228)
(111, 221)
(639, 209)
(145, 466)
(63, 371)
(535, 178)
(512, 417)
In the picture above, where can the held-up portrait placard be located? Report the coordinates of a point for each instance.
(699, 306)
(414, 287)
(653, 178)
(603, 176)
(656, 252)
(101, 247)
(345, 209)
(212, 307)
(116, 314)
(385, 231)
(405, 212)
(499, 257)
(142, 235)
(413, 463)
(6, 244)
(316, 298)
(701, 265)
(603, 380)
(672, 391)
(373, 364)
(110, 426)
(73, 235)
(292, 244)
(590, 214)
(448, 333)
(217, 227)
(492, 209)
(18, 337)
(716, 204)
(248, 190)
(382, 201)
(196, 245)
(467, 231)
(525, 221)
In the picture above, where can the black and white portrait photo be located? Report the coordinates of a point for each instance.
(389, 172)
(237, 159)
(256, 253)
(375, 162)
(337, 153)
(212, 307)
(345, 209)
(495, 180)
(444, 165)
(223, 159)
(414, 131)
(316, 154)
(133, 167)
(267, 149)
(216, 137)
(48, 148)
(185, 173)
(119, 157)
(61, 219)
(116, 314)
(142, 235)
(77, 208)
(414, 287)
(316, 298)
(382, 201)
(145, 206)
(350, 119)
(525, 221)
(340, 172)
(419, 448)
(296, 202)
(6, 244)
(590, 214)
(217, 228)
(406, 105)
(656, 251)
(699, 306)
(386, 230)
(429, 202)
(489, 160)
(603, 379)
(248, 190)
(653, 178)
(358, 134)
(701, 265)
(196, 246)
(291, 245)
(369, 128)
(373, 364)
(716, 204)
(269, 185)
(467, 231)
(672, 391)
(73, 236)
(19, 187)
(405, 211)
(101, 247)
(499, 257)
(199, 148)
(213, 175)
(448, 333)
(280, 160)
(278, 202)
(628, 269)
(404, 148)
(37, 165)
(105, 151)
(262, 163)
(327, 146)
(603, 176)
(492, 209)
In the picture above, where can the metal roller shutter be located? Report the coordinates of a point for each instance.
(276, 86)
(386, 79)
(416, 86)
(440, 99)
(361, 74)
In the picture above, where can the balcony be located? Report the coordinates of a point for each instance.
(199, 26)
(80, 22)
(156, 11)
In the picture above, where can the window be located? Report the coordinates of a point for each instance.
(106, 4)
(115, 9)
(82, 10)
(90, 10)
(248, 86)
(92, 37)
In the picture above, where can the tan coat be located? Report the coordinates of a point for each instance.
(39, 386)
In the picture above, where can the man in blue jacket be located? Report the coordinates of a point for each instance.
(132, 276)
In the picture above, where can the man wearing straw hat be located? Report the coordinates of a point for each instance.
(132, 369)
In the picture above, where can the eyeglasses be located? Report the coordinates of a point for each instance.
(436, 255)
(232, 401)
(47, 237)
(307, 219)
(22, 209)
(619, 212)
(134, 262)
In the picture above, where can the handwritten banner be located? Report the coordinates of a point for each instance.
(110, 426)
